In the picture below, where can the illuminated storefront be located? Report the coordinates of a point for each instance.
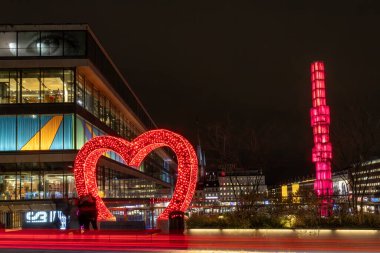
(58, 90)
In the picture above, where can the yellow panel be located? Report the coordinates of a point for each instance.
(295, 189)
(284, 191)
(33, 143)
(48, 131)
(89, 127)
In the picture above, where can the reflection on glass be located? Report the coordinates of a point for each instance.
(28, 132)
(37, 132)
(101, 108)
(30, 86)
(36, 185)
(29, 44)
(107, 111)
(45, 43)
(14, 88)
(80, 91)
(7, 43)
(7, 133)
(46, 86)
(8, 186)
(68, 132)
(8, 87)
(79, 132)
(68, 86)
(4, 87)
(54, 185)
(51, 132)
(52, 86)
(88, 96)
(75, 43)
(51, 44)
(25, 184)
(96, 103)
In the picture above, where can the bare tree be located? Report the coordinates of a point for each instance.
(356, 140)
(232, 146)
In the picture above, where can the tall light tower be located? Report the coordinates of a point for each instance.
(322, 150)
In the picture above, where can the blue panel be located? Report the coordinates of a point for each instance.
(68, 141)
(87, 131)
(45, 119)
(7, 133)
(96, 131)
(113, 155)
(27, 127)
(80, 132)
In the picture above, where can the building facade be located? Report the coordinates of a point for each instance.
(58, 89)
(365, 178)
(222, 190)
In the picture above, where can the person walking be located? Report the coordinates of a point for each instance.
(93, 213)
(87, 212)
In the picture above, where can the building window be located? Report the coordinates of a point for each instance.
(9, 87)
(7, 133)
(35, 86)
(68, 86)
(8, 44)
(27, 132)
(52, 86)
(88, 96)
(36, 132)
(29, 44)
(30, 86)
(80, 90)
(74, 43)
(51, 43)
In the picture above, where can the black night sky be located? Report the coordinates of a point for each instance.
(201, 61)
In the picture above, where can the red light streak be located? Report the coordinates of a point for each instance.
(148, 242)
(133, 153)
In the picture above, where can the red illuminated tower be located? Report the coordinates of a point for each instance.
(322, 150)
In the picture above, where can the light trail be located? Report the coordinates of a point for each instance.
(45, 240)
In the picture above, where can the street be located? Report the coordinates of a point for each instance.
(208, 240)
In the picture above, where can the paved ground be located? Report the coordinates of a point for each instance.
(195, 241)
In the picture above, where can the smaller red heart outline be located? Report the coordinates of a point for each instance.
(133, 153)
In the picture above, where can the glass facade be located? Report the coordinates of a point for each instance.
(43, 43)
(9, 87)
(68, 44)
(85, 131)
(114, 184)
(92, 99)
(36, 132)
(36, 181)
(68, 127)
(36, 86)
(28, 124)
(56, 180)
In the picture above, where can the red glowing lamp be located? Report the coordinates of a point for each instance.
(322, 150)
(133, 153)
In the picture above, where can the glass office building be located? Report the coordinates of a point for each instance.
(59, 89)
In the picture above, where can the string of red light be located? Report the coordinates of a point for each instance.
(133, 153)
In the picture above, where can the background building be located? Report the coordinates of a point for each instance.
(222, 191)
(361, 183)
(59, 89)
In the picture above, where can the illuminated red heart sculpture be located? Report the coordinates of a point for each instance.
(133, 153)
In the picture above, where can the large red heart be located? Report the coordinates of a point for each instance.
(133, 153)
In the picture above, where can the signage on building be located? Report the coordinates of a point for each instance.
(44, 219)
